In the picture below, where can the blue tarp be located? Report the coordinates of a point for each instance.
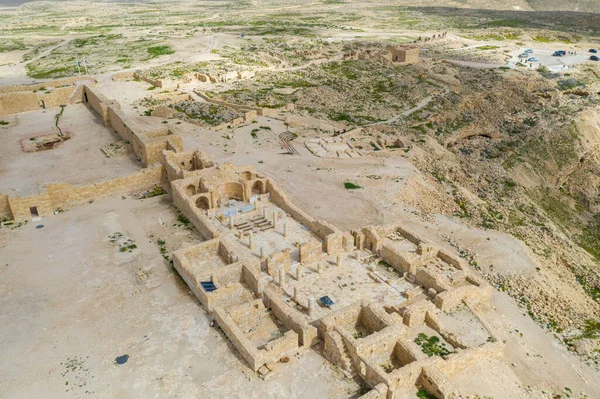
(326, 301)
(208, 286)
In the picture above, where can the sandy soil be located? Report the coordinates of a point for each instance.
(73, 302)
(78, 160)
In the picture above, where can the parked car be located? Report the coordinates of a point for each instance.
(523, 55)
(595, 58)
(529, 50)
(593, 50)
(559, 53)
(533, 59)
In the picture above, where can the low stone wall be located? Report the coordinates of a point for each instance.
(248, 352)
(99, 103)
(16, 102)
(292, 318)
(402, 262)
(278, 260)
(452, 298)
(64, 194)
(310, 251)
(321, 228)
(52, 83)
(285, 345)
(58, 195)
(5, 207)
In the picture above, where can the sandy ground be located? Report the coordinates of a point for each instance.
(73, 302)
(78, 160)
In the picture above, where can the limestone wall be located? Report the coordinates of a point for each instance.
(403, 263)
(436, 383)
(248, 352)
(64, 194)
(58, 195)
(15, 102)
(379, 392)
(20, 207)
(459, 361)
(339, 242)
(292, 318)
(320, 228)
(98, 102)
(195, 216)
(429, 280)
(340, 317)
(277, 261)
(5, 207)
(53, 83)
(452, 298)
(310, 251)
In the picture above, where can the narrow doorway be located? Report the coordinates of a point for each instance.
(42, 104)
(85, 96)
(34, 213)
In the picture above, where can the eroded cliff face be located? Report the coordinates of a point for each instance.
(520, 153)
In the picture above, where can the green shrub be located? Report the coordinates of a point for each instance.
(351, 186)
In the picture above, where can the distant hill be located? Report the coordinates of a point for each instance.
(565, 5)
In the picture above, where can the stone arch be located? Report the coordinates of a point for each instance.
(247, 175)
(258, 187)
(230, 190)
(190, 190)
(202, 202)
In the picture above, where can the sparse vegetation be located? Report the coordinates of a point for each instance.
(351, 186)
(432, 346)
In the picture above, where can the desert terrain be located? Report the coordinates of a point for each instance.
(485, 145)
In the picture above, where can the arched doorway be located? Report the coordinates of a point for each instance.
(258, 187)
(202, 203)
(229, 191)
(190, 190)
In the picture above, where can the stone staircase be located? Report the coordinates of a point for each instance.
(344, 359)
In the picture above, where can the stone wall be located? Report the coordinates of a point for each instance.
(186, 205)
(248, 352)
(58, 195)
(310, 251)
(291, 317)
(98, 102)
(277, 261)
(64, 194)
(53, 83)
(5, 207)
(320, 228)
(403, 263)
(16, 102)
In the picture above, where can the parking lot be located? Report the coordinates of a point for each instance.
(551, 62)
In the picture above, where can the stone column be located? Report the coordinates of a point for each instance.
(296, 294)
(274, 219)
(262, 252)
(285, 229)
(298, 273)
(357, 253)
(251, 240)
(231, 222)
(311, 306)
(339, 260)
(319, 268)
(240, 234)
(265, 213)
(282, 278)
